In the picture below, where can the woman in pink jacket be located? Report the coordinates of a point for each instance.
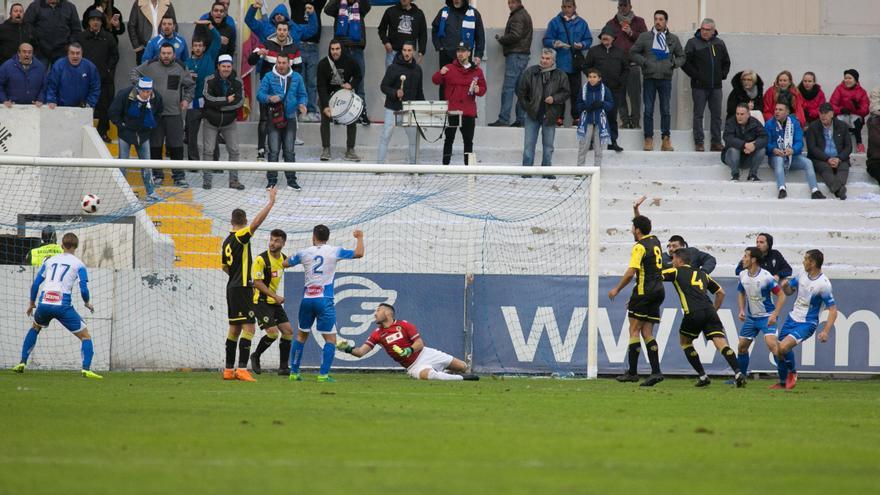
(850, 103)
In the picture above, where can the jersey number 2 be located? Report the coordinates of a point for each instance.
(320, 263)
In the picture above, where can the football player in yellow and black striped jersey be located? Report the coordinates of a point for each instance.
(643, 309)
(269, 303)
(236, 259)
(700, 314)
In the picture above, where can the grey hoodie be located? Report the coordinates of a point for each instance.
(173, 83)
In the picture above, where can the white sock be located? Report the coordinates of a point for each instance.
(439, 375)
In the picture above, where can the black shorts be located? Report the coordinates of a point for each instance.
(240, 301)
(647, 306)
(270, 315)
(703, 321)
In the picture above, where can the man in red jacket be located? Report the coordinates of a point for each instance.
(464, 82)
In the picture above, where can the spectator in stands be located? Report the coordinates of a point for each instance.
(457, 22)
(785, 144)
(873, 161)
(13, 32)
(748, 88)
(349, 28)
(73, 81)
(54, 24)
(851, 105)
(784, 88)
(285, 92)
(226, 17)
(813, 96)
(745, 141)
(659, 53)
(570, 36)
(829, 147)
(335, 72)
(400, 23)
(516, 44)
(167, 36)
(224, 95)
(99, 47)
(593, 132)
(612, 63)
(136, 112)
(277, 35)
(464, 82)
(143, 23)
(219, 20)
(402, 82)
(310, 53)
(628, 27)
(707, 64)
(772, 261)
(200, 65)
(176, 87)
(111, 18)
(23, 79)
(542, 92)
(700, 260)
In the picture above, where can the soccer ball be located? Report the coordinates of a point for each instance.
(90, 203)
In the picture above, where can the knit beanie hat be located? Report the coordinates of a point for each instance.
(853, 73)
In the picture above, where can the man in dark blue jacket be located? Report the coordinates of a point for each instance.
(135, 111)
(23, 79)
(73, 81)
(55, 23)
(773, 260)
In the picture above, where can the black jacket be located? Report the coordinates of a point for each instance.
(332, 10)
(101, 49)
(11, 36)
(400, 25)
(736, 136)
(518, 33)
(113, 10)
(412, 86)
(706, 62)
(815, 138)
(202, 31)
(738, 95)
(348, 70)
(700, 260)
(452, 38)
(535, 86)
(298, 15)
(611, 62)
(131, 128)
(54, 28)
(218, 110)
(773, 261)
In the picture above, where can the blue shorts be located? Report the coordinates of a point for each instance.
(320, 309)
(800, 331)
(753, 326)
(66, 315)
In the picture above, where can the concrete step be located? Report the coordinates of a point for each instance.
(193, 243)
(183, 225)
(175, 209)
(197, 260)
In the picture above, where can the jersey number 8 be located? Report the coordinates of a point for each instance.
(658, 257)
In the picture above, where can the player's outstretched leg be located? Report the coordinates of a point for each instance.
(265, 342)
(460, 366)
(30, 341)
(742, 356)
(88, 351)
(721, 344)
(687, 345)
(785, 363)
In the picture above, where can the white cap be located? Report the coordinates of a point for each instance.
(224, 59)
(145, 83)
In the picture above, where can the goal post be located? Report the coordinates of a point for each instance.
(492, 221)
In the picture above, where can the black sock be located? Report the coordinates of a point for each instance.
(730, 356)
(653, 356)
(264, 344)
(244, 351)
(230, 353)
(635, 347)
(284, 353)
(691, 354)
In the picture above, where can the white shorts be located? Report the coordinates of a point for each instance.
(429, 359)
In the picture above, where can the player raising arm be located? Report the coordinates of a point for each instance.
(813, 293)
(756, 308)
(58, 275)
(319, 263)
(236, 259)
(401, 340)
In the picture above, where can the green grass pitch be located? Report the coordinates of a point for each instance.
(183, 433)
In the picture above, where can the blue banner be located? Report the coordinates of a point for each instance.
(433, 303)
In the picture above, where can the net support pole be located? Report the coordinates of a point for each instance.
(593, 280)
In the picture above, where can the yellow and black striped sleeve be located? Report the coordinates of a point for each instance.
(259, 269)
(243, 236)
(669, 274)
(638, 254)
(712, 285)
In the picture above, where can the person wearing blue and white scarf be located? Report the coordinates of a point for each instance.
(457, 22)
(135, 111)
(785, 146)
(349, 28)
(594, 103)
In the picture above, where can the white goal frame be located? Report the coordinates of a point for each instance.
(469, 170)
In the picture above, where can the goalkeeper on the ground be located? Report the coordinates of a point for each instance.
(402, 342)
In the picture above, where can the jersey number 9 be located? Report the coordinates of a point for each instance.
(228, 253)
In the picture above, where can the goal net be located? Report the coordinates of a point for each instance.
(476, 257)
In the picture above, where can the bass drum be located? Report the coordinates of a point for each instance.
(346, 107)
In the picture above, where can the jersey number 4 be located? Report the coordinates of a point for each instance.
(696, 282)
